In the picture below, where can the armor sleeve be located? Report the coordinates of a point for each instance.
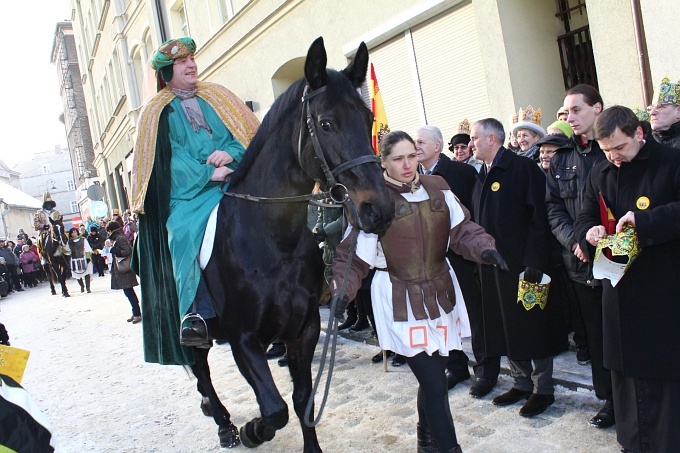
(358, 268)
(469, 239)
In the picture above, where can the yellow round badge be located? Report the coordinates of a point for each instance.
(642, 203)
(495, 186)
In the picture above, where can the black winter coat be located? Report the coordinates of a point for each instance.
(120, 249)
(671, 137)
(510, 205)
(566, 186)
(641, 314)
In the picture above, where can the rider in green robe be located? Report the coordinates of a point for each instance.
(190, 136)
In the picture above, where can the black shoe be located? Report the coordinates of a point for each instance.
(511, 397)
(277, 350)
(361, 324)
(537, 404)
(196, 335)
(378, 358)
(348, 322)
(481, 387)
(283, 361)
(453, 379)
(21, 289)
(426, 442)
(604, 418)
(221, 342)
(398, 360)
(582, 355)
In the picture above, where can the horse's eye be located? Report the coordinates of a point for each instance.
(326, 125)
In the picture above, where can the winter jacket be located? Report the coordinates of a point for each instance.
(566, 185)
(10, 258)
(670, 137)
(27, 259)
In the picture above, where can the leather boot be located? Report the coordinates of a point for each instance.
(426, 443)
(87, 283)
(82, 286)
(351, 316)
(362, 319)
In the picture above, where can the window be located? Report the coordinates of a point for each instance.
(183, 20)
(138, 69)
(70, 185)
(74, 206)
(46, 169)
(226, 10)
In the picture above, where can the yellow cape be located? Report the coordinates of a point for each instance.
(238, 118)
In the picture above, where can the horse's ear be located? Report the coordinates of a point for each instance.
(315, 65)
(356, 70)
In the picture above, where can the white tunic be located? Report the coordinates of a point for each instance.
(413, 336)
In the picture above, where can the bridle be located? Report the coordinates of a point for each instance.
(336, 191)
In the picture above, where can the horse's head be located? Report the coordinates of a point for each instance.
(340, 123)
(57, 229)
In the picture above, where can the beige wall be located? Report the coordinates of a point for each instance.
(618, 70)
(663, 35)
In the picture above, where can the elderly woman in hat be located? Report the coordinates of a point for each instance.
(528, 131)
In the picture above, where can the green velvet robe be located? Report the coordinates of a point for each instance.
(179, 199)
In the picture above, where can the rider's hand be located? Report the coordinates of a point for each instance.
(219, 159)
(220, 173)
(319, 234)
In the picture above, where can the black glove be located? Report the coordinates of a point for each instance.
(319, 234)
(340, 306)
(532, 275)
(492, 256)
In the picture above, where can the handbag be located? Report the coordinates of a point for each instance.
(123, 264)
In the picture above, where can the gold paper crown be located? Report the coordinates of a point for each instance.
(669, 92)
(529, 116)
(624, 243)
(532, 294)
(642, 114)
(464, 127)
(47, 197)
(514, 119)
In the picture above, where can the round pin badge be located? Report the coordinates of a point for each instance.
(642, 203)
(495, 186)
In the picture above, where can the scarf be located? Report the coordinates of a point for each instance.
(192, 110)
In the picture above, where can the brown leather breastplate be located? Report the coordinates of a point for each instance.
(415, 250)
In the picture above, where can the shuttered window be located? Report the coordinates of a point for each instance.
(444, 65)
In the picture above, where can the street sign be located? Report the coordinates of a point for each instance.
(99, 209)
(95, 192)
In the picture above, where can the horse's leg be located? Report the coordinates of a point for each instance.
(49, 273)
(300, 356)
(250, 357)
(227, 431)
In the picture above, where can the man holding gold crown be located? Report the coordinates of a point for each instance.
(518, 319)
(636, 194)
(191, 135)
(665, 114)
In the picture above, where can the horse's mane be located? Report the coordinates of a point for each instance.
(287, 108)
(282, 109)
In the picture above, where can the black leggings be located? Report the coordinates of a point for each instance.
(433, 398)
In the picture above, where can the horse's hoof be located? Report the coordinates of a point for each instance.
(228, 436)
(206, 408)
(247, 439)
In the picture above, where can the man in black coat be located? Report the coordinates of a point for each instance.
(640, 184)
(509, 203)
(665, 114)
(566, 182)
(461, 179)
(96, 242)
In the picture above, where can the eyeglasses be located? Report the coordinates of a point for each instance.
(659, 106)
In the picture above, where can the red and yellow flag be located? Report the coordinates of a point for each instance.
(380, 127)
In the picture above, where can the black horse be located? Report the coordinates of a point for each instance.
(56, 266)
(266, 272)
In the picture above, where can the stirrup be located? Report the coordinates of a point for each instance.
(194, 318)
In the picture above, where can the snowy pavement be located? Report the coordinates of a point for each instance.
(87, 373)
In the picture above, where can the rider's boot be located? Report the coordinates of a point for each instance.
(195, 334)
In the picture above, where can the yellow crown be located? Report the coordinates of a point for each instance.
(668, 92)
(532, 294)
(529, 115)
(464, 127)
(624, 243)
(642, 114)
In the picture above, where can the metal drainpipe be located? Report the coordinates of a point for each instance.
(161, 20)
(643, 59)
